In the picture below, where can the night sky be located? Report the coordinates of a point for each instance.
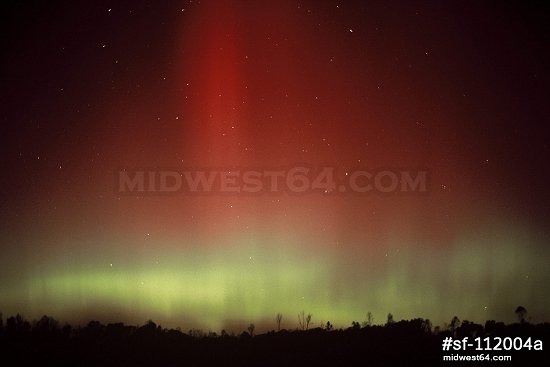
(458, 89)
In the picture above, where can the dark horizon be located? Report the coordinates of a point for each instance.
(413, 342)
(236, 327)
(354, 156)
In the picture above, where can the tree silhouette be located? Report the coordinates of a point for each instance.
(427, 326)
(279, 318)
(370, 320)
(304, 320)
(520, 313)
(46, 324)
(455, 323)
(308, 320)
(196, 333)
(44, 342)
(17, 325)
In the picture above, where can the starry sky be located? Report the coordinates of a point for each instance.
(458, 89)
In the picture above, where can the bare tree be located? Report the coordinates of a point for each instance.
(279, 318)
(301, 320)
(308, 320)
(251, 328)
(304, 320)
(370, 320)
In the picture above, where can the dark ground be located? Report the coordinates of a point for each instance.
(404, 343)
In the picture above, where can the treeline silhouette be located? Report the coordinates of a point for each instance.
(45, 342)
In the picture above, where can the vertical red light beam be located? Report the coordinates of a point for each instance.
(213, 68)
